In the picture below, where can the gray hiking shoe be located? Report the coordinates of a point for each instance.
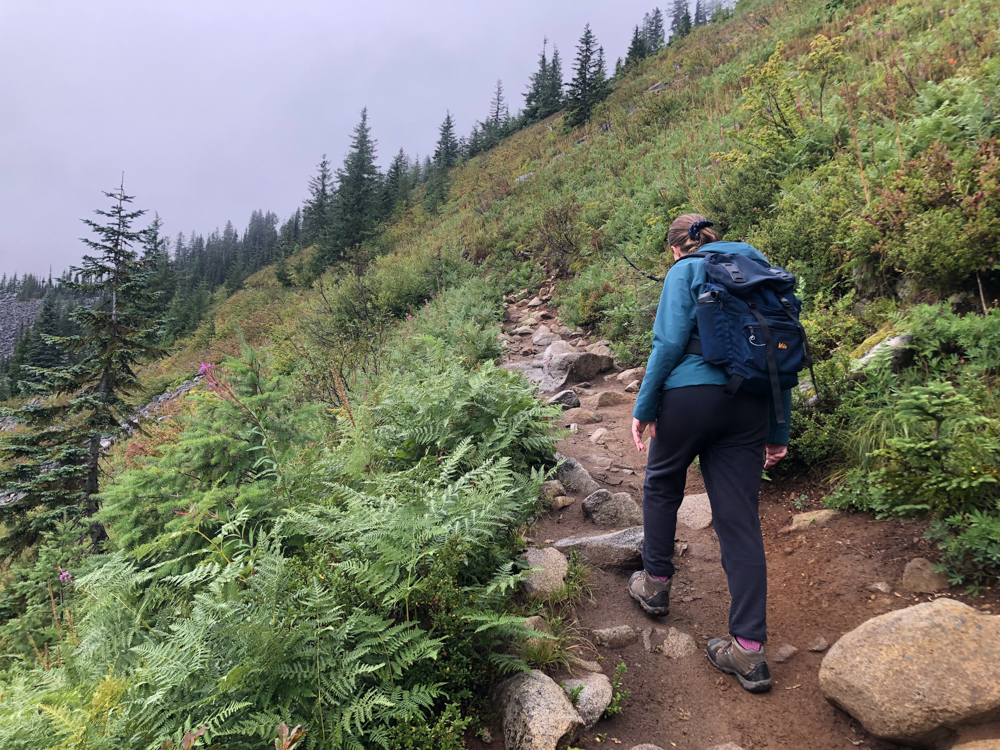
(652, 595)
(750, 667)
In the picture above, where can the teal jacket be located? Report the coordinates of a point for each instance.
(668, 366)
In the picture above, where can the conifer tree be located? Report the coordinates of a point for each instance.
(53, 466)
(498, 108)
(637, 49)
(680, 24)
(44, 352)
(700, 18)
(537, 89)
(589, 85)
(554, 96)
(358, 198)
(318, 208)
(653, 31)
(446, 153)
(396, 186)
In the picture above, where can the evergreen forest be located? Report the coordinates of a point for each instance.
(323, 542)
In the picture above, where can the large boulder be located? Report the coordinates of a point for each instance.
(576, 478)
(914, 675)
(550, 577)
(619, 549)
(536, 713)
(573, 367)
(593, 696)
(606, 509)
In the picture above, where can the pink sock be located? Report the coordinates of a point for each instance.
(749, 645)
(663, 579)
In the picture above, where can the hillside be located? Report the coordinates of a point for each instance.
(330, 530)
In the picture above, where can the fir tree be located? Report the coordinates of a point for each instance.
(637, 49)
(653, 31)
(680, 24)
(700, 17)
(317, 211)
(44, 352)
(446, 153)
(537, 88)
(498, 109)
(589, 85)
(53, 466)
(358, 198)
(396, 187)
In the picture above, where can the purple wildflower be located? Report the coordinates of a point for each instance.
(64, 575)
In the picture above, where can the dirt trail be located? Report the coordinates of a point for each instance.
(818, 583)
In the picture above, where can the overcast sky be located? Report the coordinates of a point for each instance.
(214, 108)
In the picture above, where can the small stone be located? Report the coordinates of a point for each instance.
(593, 699)
(531, 321)
(535, 302)
(598, 437)
(820, 644)
(574, 428)
(633, 387)
(616, 637)
(920, 577)
(784, 653)
(485, 737)
(552, 574)
(647, 634)
(575, 662)
(576, 478)
(678, 644)
(606, 398)
(881, 587)
(567, 399)
(581, 416)
(563, 501)
(524, 331)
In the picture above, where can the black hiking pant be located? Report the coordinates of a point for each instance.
(729, 434)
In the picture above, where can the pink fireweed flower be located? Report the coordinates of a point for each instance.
(64, 575)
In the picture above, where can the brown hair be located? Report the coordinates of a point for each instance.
(682, 228)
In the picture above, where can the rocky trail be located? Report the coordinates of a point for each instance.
(827, 572)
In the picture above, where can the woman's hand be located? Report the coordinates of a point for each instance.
(774, 453)
(638, 428)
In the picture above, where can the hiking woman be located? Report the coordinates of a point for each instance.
(682, 402)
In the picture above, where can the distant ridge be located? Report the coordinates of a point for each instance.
(14, 317)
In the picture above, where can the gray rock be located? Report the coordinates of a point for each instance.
(598, 437)
(524, 330)
(618, 549)
(563, 501)
(920, 577)
(678, 644)
(914, 675)
(551, 577)
(881, 587)
(633, 387)
(633, 373)
(593, 699)
(575, 662)
(606, 398)
(895, 349)
(598, 461)
(557, 347)
(544, 336)
(695, 511)
(803, 521)
(619, 636)
(576, 478)
(15, 317)
(820, 644)
(552, 489)
(567, 399)
(581, 416)
(784, 653)
(606, 509)
(573, 367)
(522, 178)
(535, 713)
(535, 302)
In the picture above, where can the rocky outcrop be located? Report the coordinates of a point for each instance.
(593, 696)
(914, 675)
(551, 372)
(619, 549)
(606, 509)
(536, 714)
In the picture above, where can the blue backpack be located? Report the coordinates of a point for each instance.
(748, 324)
